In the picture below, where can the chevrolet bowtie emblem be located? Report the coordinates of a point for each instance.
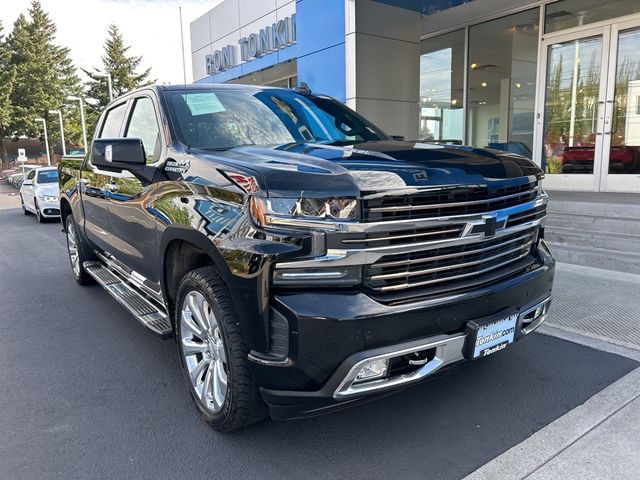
(488, 227)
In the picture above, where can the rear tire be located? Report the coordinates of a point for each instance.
(213, 353)
(24, 208)
(78, 252)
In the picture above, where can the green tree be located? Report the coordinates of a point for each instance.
(44, 72)
(7, 80)
(125, 75)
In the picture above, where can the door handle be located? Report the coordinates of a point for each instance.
(111, 187)
(595, 120)
(611, 118)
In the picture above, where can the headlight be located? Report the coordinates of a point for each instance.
(48, 198)
(320, 213)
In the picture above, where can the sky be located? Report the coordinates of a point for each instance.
(151, 27)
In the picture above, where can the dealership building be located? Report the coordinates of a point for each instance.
(558, 81)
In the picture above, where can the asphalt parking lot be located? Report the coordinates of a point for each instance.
(89, 393)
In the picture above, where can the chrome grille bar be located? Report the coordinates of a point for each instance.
(405, 285)
(388, 276)
(412, 261)
(406, 208)
(402, 237)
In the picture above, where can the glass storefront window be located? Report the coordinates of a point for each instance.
(441, 88)
(571, 105)
(575, 13)
(502, 82)
(624, 156)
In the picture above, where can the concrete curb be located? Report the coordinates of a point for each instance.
(598, 272)
(524, 459)
(606, 344)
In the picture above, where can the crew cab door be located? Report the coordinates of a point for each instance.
(133, 227)
(94, 181)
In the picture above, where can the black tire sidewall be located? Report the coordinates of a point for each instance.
(190, 283)
(83, 277)
(38, 213)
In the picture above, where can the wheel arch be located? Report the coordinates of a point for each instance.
(184, 249)
(65, 210)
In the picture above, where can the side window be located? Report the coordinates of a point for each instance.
(113, 122)
(143, 124)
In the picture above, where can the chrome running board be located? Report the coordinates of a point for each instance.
(140, 305)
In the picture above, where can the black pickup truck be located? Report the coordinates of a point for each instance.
(303, 260)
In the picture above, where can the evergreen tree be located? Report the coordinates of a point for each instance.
(45, 75)
(7, 79)
(124, 71)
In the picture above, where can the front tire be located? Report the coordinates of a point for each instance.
(39, 216)
(213, 353)
(78, 252)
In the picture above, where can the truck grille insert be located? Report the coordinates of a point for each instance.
(447, 202)
(405, 236)
(451, 268)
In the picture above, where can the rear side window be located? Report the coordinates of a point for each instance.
(144, 125)
(113, 122)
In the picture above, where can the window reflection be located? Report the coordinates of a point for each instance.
(625, 130)
(501, 79)
(441, 88)
(571, 105)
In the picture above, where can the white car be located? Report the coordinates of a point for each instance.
(40, 193)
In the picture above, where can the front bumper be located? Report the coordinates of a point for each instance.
(340, 391)
(332, 332)
(49, 209)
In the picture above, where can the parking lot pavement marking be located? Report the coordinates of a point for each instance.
(522, 460)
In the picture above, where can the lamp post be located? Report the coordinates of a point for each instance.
(53, 112)
(98, 75)
(46, 138)
(73, 98)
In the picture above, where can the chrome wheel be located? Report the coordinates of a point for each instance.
(203, 351)
(72, 245)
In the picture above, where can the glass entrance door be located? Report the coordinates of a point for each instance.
(621, 140)
(573, 110)
(589, 113)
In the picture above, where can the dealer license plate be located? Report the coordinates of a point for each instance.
(494, 336)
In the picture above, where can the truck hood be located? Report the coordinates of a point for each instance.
(376, 166)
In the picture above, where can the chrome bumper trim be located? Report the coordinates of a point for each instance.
(449, 349)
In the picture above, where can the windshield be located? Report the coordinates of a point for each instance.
(48, 176)
(222, 119)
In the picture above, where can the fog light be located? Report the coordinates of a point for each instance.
(372, 370)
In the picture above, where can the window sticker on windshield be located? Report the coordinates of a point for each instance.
(203, 103)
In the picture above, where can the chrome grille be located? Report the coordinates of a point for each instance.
(403, 236)
(446, 266)
(446, 201)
